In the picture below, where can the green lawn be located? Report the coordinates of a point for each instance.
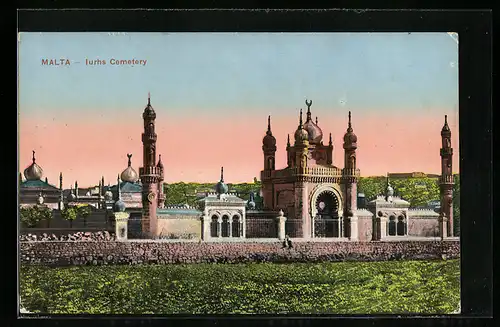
(431, 287)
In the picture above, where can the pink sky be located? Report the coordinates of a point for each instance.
(193, 150)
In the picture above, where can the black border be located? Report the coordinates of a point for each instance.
(475, 62)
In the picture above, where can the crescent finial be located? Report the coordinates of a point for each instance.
(308, 103)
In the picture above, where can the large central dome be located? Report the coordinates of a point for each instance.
(34, 172)
(315, 133)
(129, 174)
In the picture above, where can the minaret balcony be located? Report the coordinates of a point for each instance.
(351, 172)
(148, 138)
(446, 179)
(446, 151)
(149, 171)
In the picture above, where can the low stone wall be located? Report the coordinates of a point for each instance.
(43, 236)
(136, 252)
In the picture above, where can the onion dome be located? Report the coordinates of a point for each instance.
(108, 196)
(269, 141)
(301, 134)
(119, 206)
(350, 138)
(389, 191)
(71, 196)
(129, 174)
(221, 187)
(33, 172)
(251, 201)
(445, 131)
(149, 112)
(315, 134)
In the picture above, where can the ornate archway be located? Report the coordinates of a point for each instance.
(326, 219)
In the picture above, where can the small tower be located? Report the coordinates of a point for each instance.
(301, 206)
(269, 147)
(329, 153)
(161, 194)
(349, 179)
(446, 181)
(60, 205)
(301, 145)
(76, 189)
(149, 173)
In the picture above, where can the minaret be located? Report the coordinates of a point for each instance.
(269, 150)
(76, 189)
(20, 178)
(349, 179)
(149, 173)
(329, 153)
(301, 147)
(60, 206)
(161, 195)
(288, 154)
(446, 181)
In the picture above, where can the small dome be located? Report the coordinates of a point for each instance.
(108, 196)
(390, 191)
(119, 206)
(40, 199)
(251, 204)
(315, 133)
(160, 163)
(221, 188)
(149, 112)
(445, 131)
(71, 196)
(269, 141)
(33, 172)
(301, 135)
(350, 137)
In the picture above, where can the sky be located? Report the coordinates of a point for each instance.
(213, 92)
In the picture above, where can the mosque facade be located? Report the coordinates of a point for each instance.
(314, 197)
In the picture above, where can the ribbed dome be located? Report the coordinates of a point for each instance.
(315, 133)
(301, 135)
(149, 112)
(108, 196)
(119, 206)
(350, 137)
(221, 187)
(445, 131)
(33, 172)
(129, 174)
(269, 141)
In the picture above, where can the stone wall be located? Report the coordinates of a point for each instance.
(425, 227)
(179, 227)
(135, 252)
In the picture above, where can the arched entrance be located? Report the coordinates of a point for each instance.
(326, 220)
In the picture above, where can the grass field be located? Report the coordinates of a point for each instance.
(427, 287)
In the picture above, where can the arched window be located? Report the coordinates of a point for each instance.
(401, 226)
(236, 226)
(225, 226)
(392, 226)
(213, 226)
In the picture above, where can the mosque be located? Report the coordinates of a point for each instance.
(312, 196)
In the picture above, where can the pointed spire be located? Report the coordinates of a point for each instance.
(60, 181)
(76, 185)
(288, 141)
(129, 159)
(102, 181)
(269, 126)
(222, 174)
(149, 98)
(330, 140)
(316, 120)
(349, 125)
(308, 104)
(118, 187)
(300, 121)
(33, 156)
(20, 178)
(46, 180)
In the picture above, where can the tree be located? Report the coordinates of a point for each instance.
(69, 214)
(371, 187)
(31, 216)
(45, 213)
(83, 210)
(417, 191)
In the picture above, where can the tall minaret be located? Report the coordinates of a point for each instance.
(61, 195)
(349, 179)
(149, 173)
(446, 182)
(269, 150)
(301, 146)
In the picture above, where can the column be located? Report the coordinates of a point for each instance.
(244, 225)
(219, 227)
(206, 227)
(313, 228)
(230, 221)
(383, 227)
(443, 228)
